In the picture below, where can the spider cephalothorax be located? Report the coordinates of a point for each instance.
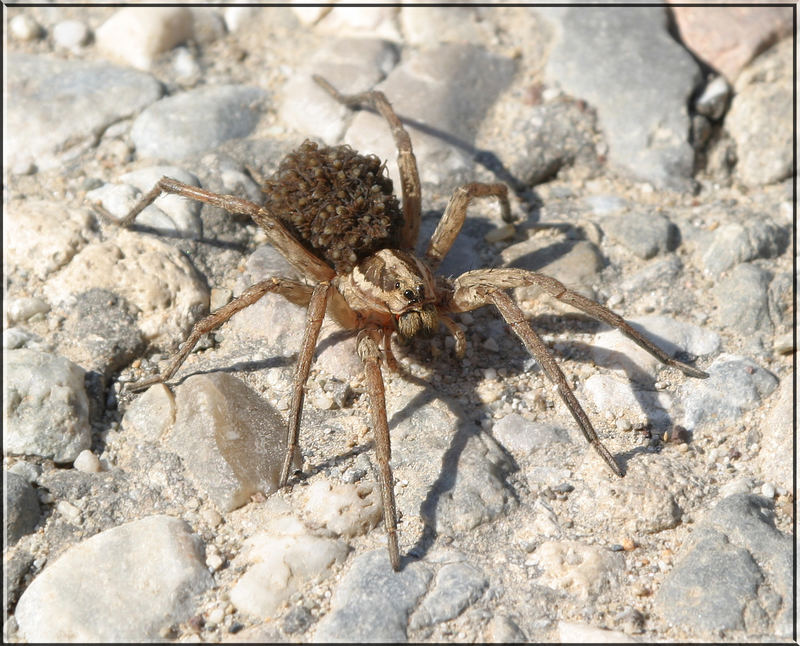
(401, 285)
(332, 214)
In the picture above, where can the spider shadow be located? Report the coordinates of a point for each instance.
(233, 368)
(486, 158)
(465, 431)
(177, 235)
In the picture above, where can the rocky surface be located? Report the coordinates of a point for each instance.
(663, 192)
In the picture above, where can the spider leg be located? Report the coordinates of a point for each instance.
(456, 212)
(486, 294)
(314, 317)
(458, 334)
(407, 163)
(369, 351)
(279, 237)
(505, 278)
(293, 291)
(388, 355)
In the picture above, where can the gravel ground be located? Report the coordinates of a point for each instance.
(640, 177)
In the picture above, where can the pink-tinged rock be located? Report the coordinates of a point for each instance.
(727, 38)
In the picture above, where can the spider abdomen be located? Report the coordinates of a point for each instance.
(337, 203)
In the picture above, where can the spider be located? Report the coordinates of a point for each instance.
(332, 214)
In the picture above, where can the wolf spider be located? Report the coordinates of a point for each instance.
(332, 214)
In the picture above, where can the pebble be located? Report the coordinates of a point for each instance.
(34, 245)
(571, 632)
(776, 444)
(578, 569)
(22, 505)
(87, 462)
(232, 441)
(423, 80)
(372, 602)
(735, 385)
(521, 436)
(751, 238)
(713, 102)
(645, 234)
(729, 40)
(280, 560)
(757, 131)
(613, 349)
(22, 309)
(83, 99)
(24, 27)
(135, 36)
(735, 550)
(169, 214)
(167, 293)
(342, 509)
(647, 131)
(151, 571)
(742, 300)
(455, 587)
(47, 410)
(196, 121)
(71, 34)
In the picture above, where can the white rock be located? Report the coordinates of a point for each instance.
(151, 274)
(342, 509)
(87, 462)
(24, 27)
(570, 632)
(122, 585)
(582, 570)
(280, 560)
(41, 237)
(616, 397)
(136, 35)
(169, 213)
(613, 349)
(71, 34)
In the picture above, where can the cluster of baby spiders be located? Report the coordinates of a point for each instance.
(332, 214)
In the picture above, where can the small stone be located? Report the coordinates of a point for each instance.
(24, 27)
(46, 406)
(342, 509)
(135, 36)
(151, 572)
(231, 440)
(768, 490)
(22, 507)
(71, 34)
(69, 511)
(87, 462)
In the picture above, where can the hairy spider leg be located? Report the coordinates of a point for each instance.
(369, 350)
(314, 317)
(279, 237)
(406, 162)
(456, 212)
(293, 291)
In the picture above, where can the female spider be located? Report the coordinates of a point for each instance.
(332, 213)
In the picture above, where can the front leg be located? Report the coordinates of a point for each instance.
(484, 293)
(469, 291)
(369, 351)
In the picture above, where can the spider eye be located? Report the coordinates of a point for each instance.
(421, 290)
(397, 285)
(409, 294)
